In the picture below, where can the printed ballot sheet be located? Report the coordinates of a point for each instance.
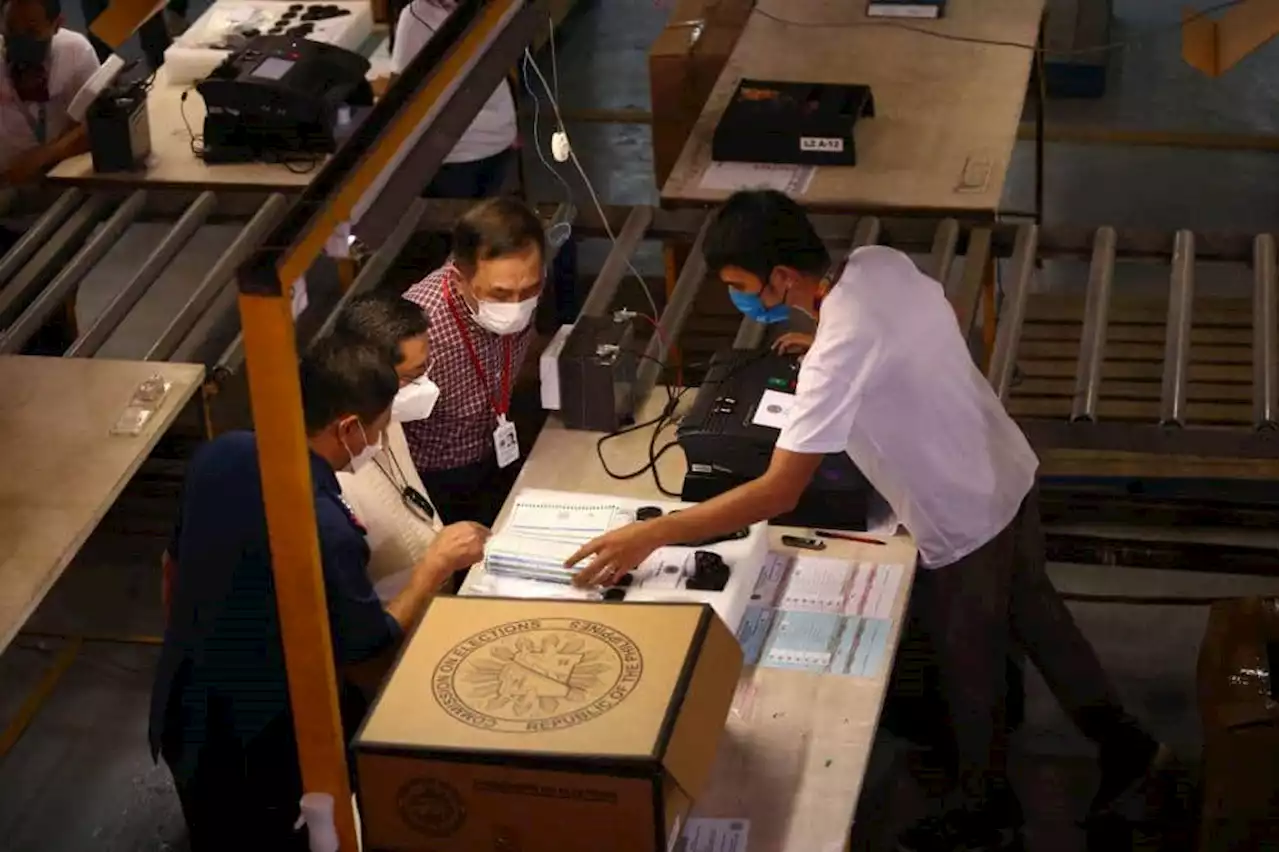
(821, 584)
(562, 520)
(714, 835)
(821, 615)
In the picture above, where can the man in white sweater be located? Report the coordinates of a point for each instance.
(386, 495)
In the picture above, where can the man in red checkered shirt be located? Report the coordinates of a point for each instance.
(481, 305)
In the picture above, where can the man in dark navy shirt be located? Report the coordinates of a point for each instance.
(220, 705)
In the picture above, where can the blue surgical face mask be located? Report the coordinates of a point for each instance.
(754, 309)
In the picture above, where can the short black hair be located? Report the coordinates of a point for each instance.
(52, 8)
(343, 377)
(381, 319)
(496, 228)
(760, 229)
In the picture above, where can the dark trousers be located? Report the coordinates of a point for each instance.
(477, 179)
(241, 795)
(475, 492)
(975, 612)
(59, 331)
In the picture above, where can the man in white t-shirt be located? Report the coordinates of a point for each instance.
(890, 382)
(43, 68)
(479, 163)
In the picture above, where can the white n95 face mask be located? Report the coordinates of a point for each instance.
(506, 317)
(362, 459)
(415, 401)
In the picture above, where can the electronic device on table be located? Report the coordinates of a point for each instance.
(228, 25)
(112, 105)
(596, 373)
(525, 558)
(280, 97)
(729, 433)
(810, 124)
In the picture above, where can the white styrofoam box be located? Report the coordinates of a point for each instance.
(228, 24)
(549, 369)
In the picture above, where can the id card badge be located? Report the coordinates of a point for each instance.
(506, 444)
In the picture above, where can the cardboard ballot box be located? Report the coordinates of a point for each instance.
(1237, 691)
(545, 726)
(685, 61)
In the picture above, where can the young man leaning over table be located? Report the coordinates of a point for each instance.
(889, 381)
(44, 66)
(220, 713)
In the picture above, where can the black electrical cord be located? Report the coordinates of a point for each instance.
(666, 417)
(196, 139)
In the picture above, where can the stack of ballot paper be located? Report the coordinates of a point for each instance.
(540, 535)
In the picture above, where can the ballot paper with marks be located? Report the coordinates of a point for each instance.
(821, 615)
(714, 835)
(540, 535)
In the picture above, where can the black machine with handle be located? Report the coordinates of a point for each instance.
(281, 95)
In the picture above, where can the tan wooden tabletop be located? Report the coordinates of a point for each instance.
(948, 100)
(62, 466)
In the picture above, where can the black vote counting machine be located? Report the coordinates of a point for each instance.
(281, 97)
(808, 124)
(725, 448)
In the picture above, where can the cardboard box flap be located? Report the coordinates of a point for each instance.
(1214, 46)
(544, 678)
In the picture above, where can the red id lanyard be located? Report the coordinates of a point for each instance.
(500, 406)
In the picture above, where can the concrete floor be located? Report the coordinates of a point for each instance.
(80, 777)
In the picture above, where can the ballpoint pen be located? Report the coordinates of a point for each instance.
(843, 536)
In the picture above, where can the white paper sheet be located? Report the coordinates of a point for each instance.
(773, 410)
(822, 584)
(566, 521)
(714, 835)
(495, 585)
(731, 177)
(816, 584)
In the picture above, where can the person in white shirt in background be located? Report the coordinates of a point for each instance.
(480, 162)
(890, 382)
(42, 68)
(386, 496)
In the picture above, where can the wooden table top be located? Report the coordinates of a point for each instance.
(946, 110)
(796, 744)
(62, 467)
(173, 162)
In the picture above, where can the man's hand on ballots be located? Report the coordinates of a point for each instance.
(616, 552)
